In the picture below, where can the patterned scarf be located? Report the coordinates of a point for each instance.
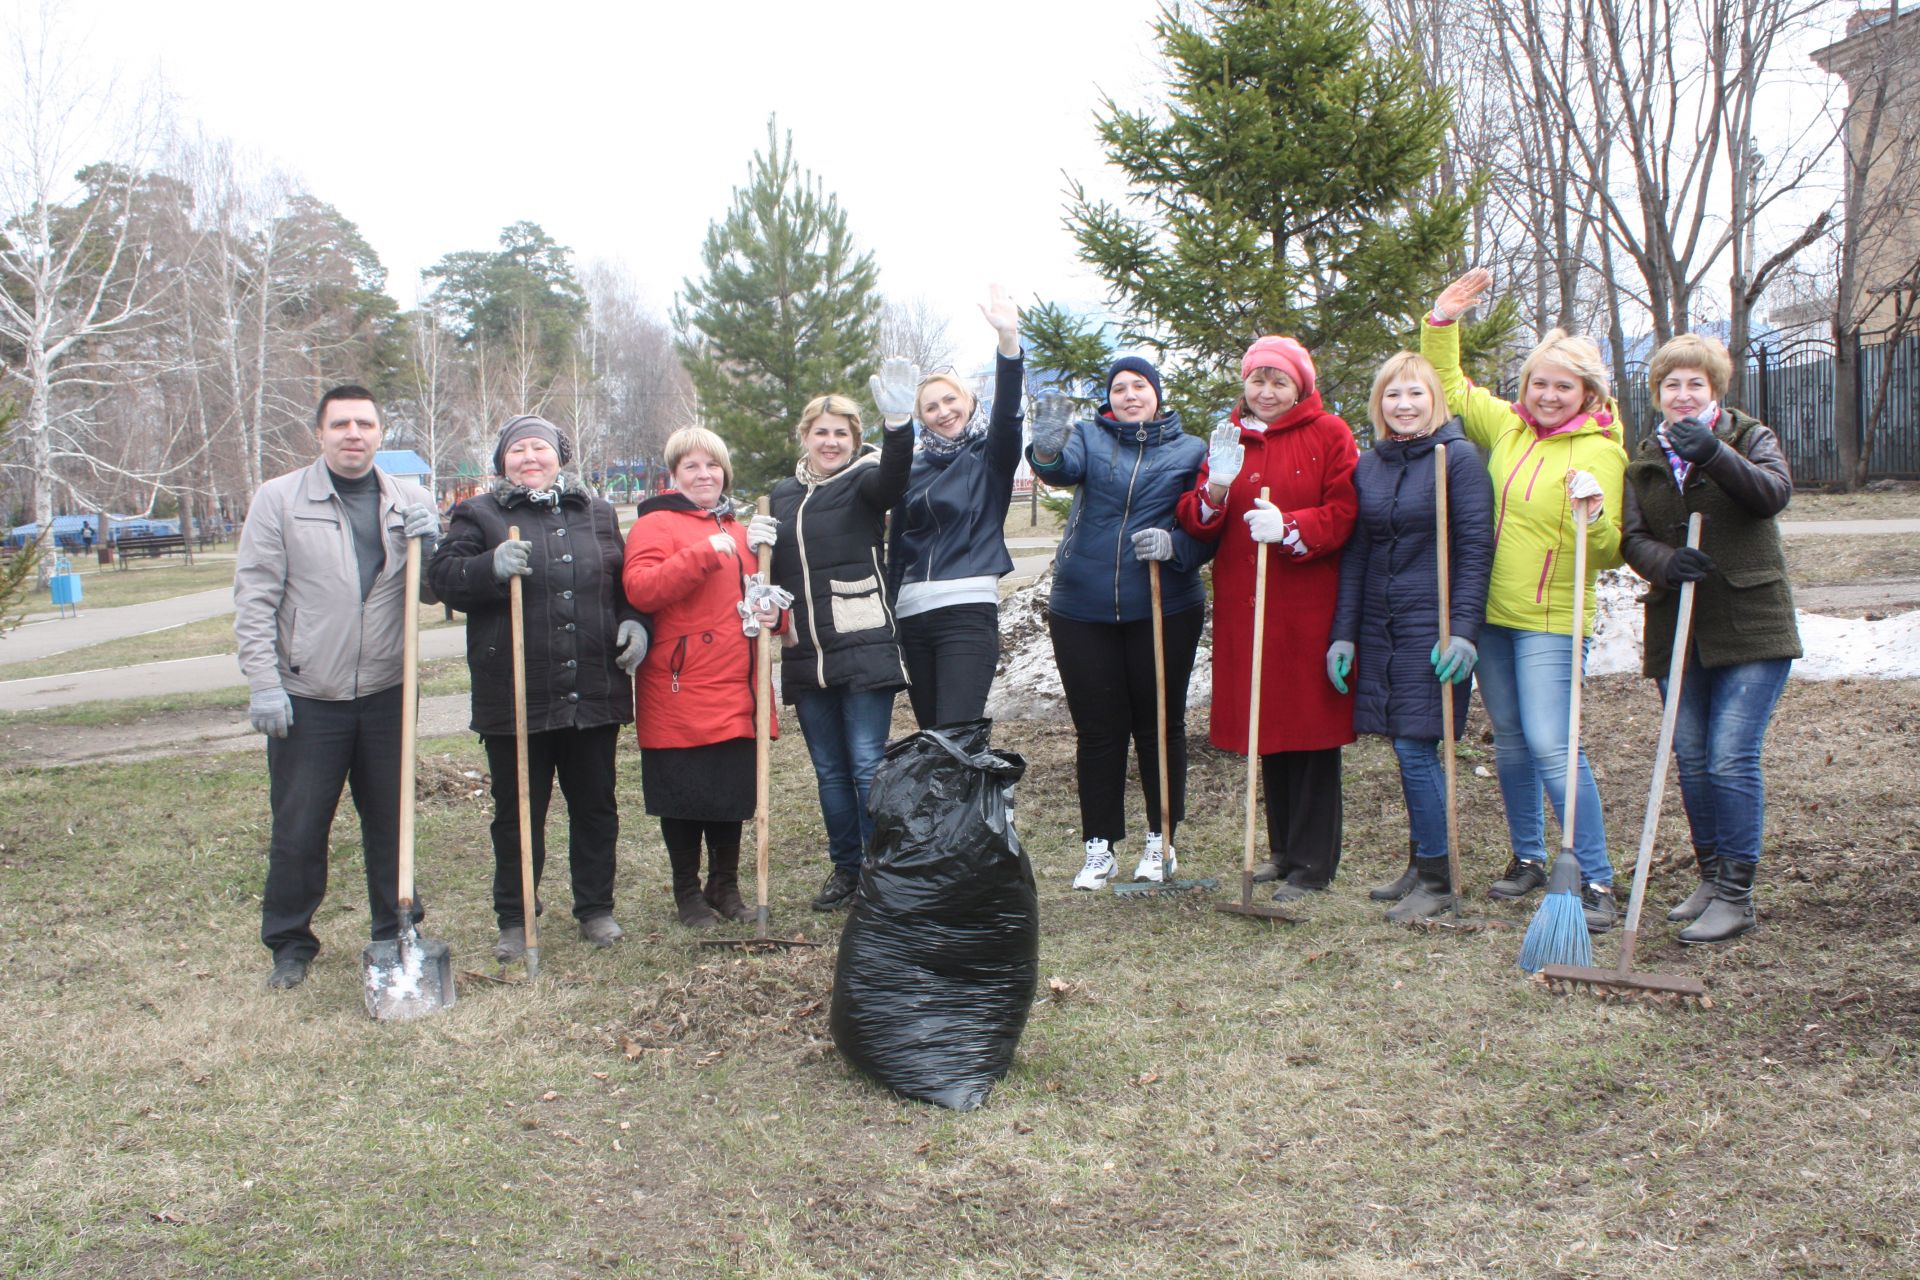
(1680, 467)
(549, 497)
(938, 446)
(803, 470)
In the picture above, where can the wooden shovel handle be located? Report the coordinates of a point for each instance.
(409, 727)
(1160, 706)
(1253, 697)
(762, 749)
(516, 609)
(1443, 555)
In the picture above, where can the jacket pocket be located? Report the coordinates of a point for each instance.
(1758, 599)
(295, 643)
(858, 606)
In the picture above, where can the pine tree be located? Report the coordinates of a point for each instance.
(787, 311)
(1288, 187)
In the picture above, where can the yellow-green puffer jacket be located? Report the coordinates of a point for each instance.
(1532, 587)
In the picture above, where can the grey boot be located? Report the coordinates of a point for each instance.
(1730, 914)
(1394, 890)
(1709, 863)
(1432, 893)
(1267, 872)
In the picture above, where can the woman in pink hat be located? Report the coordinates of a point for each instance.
(1279, 437)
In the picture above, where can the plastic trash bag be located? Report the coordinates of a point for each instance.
(940, 955)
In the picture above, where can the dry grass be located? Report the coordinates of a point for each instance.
(144, 579)
(1873, 557)
(1896, 500)
(1209, 1097)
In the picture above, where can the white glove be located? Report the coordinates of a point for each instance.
(1267, 522)
(722, 542)
(762, 605)
(1153, 544)
(762, 531)
(512, 558)
(422, 521)
(1052, 420)
(1580, 486)
(632, 639)
(271, 712)
(1225, 454)
(893, 389)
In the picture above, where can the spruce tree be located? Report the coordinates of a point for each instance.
(1287, 187)
(787, 311)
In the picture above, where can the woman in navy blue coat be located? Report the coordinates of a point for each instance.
(1129, 465)
(1386, 626)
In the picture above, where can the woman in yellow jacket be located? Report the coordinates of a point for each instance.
(1555, 457)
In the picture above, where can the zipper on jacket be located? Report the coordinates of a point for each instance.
(806, 585)
(1126, 513)
(678, 661)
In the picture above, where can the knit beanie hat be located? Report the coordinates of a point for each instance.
(520, 428)
(1284, 354)
(1139, 365)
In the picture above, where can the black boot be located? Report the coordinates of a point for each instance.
(1730, 914)
(689, 903)
(723, 884)
(1524, 875)
(1431, 896)
(1394, 890)
(839, 889)
(1709, 863)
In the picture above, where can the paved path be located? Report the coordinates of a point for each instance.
(180, 675)
(43, 639)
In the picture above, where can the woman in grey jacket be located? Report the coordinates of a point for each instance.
(1128, 465)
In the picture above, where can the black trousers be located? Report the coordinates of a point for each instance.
(951, 654)
(583, 761)
(1304, 814)
(353, 743)
(682, 837)
(1106, 669)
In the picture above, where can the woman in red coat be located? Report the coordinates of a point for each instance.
(1280, 438)
(688, 564)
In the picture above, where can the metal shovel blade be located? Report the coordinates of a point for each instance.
(407, 977)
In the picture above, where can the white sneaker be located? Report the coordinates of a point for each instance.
(1169, 860)
(1099, 866)
(1151, 867)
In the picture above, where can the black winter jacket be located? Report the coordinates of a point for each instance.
(829, 557)
(1389, 605)
(573, 605)
(950, 524)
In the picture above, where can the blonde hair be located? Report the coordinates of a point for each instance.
(952, 380)
(1403, 365)
(1578, 356)
(699, 440)
(1692, 351)
(820, 406)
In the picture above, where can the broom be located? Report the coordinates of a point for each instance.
(1558, 932)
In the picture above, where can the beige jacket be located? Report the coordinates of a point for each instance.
(298, 615)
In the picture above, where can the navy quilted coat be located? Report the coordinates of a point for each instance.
(1389, 604)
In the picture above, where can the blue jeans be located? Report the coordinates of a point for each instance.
(846, 733)
(1724, 712)
(1526, 684)
(1423, 780)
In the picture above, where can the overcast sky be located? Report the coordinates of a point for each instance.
(622, 128)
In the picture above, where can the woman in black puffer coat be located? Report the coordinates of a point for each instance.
(1386, 625)
(583, 641)
(841, 665)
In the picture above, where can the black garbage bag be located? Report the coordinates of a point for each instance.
(941, 951)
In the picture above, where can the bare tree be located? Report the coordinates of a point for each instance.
(910, 327)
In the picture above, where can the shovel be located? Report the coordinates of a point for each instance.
(1245, 906)
(408, 976)
(529, 898)
(762, 794)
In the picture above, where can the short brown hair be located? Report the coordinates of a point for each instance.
(699, 440)
(1692, 351)
(820, 406)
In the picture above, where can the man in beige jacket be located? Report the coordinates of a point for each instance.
(319, 607)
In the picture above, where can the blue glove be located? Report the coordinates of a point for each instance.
(1339, 663)
(1455, 662)
(1692, 440)
(271, 712)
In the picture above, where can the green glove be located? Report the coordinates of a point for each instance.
(1339, 663)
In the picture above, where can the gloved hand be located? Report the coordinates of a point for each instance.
(270, 711)
(1153, 544)
(1225, 454)
(762, 605)
(631, 638)
(1693, 440)
(1267, 522)
(893, 389)
(1689, 564)
(1339, 664)
(1051, 422)
(1455, 662)
(721, 542)
(512, 558)
(422, 521)
(762, 531)
(1586, 494)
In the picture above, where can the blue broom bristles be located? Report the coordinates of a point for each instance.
(1558, 931)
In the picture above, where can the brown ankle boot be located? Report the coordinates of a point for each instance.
(723, 885)
(687, 898)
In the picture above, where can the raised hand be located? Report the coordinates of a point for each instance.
(1693, 440)
(1052, 420)
(1005, 319)
(893, 389)
(1463, 294)
(1225, 455)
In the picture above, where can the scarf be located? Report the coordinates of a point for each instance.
(1680, 467)
(549, 497)
(803, 470)
(938, 446)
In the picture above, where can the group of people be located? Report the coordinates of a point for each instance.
(877, 569)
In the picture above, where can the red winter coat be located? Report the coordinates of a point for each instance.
(1307, 459)
(696, 686)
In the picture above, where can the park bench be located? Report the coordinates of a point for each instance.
(152, 544)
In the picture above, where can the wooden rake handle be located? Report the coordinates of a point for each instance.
(409, 727)
(1253, 705)
(528, 902)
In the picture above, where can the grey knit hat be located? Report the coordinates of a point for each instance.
(519, 429)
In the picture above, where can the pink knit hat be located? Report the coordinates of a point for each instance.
(1275, 352)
